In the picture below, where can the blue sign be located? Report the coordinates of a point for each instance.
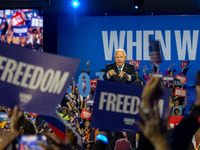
(3, 116)
(96, 38)
(29, 14)
(36, 22)
(116, 106)
(33, 78)
(8, 13)
(20, 31)
(90, 102)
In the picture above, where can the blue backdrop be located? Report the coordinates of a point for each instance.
(96, 38)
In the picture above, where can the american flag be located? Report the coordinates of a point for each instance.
(155, 53)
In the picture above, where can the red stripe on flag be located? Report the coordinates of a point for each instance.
(61, 135)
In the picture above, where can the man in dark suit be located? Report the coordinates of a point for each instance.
(120, 71)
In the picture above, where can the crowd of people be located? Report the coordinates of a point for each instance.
(34, 38)
(154, 131)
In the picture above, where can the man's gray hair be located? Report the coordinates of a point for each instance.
(120, 50)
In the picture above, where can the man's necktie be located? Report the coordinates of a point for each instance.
(120, 69)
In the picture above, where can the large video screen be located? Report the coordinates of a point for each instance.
(23, 27)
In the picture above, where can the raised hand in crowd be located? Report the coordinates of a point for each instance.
(88, 69)
(154, 128)
(151, 92)
(38, 30)
(87, 63)
(183, 69)
(17, 118)
(57, 144)
(169, 67)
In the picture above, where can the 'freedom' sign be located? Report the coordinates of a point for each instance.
(116, 106)
(32, 80)
(20, 31)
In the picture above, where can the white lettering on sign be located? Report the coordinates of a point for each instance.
(168, 78)
(184, 42)
(157, 75)
(25, 98)
(182, 79)
(3, 116)
(129, 121)
(180, 92)
(20, 30)
(86, 114)
(37, 22)
(32, 77)
(119, 103)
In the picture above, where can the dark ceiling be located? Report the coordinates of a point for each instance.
(110, 7)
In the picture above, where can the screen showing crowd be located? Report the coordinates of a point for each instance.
(23, 27)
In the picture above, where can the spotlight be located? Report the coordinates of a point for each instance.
(136, 7)
(138, 3)
(75, 3)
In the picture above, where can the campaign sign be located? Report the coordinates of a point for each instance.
(168, 79)
(180, 92)
(177, 83)
(136, 63)
(8, 13)
(3, 116)
(183, 79)
(116, 106)
(85, 114)
(20, 31)
(29, 14)
(157, 75)
(17, 19)
(36, 22)
(184, 64)
(93, 83)
(89, 102)
(175, 120)
(2, 12)
(32, 80)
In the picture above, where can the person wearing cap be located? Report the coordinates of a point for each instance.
(120, 71)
